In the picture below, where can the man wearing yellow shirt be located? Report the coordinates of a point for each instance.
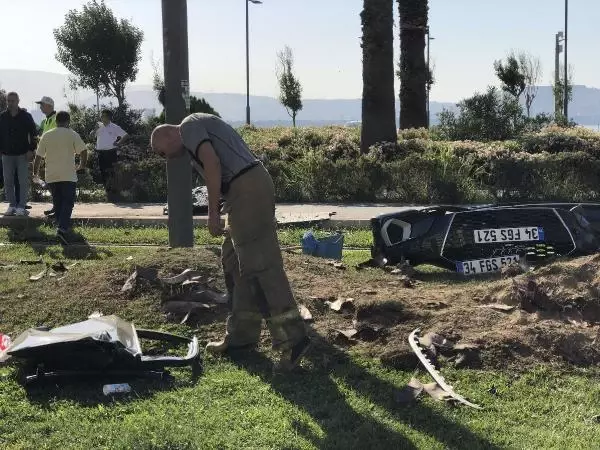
(58, 147)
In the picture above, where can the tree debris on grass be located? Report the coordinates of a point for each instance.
(305, 313)
(31, 262)
(337, 264)
(341, 304)
(499, 307)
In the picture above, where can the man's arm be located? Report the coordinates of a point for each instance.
(37, 162)
(212, 175)
(40, 154)
(82, 160)
(81, 150)
(32, 130)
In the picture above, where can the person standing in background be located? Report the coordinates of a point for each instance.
(109, 137)
(59, 147)
(48, 123)
(18, 133)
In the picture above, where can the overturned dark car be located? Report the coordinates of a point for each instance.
(481, 239)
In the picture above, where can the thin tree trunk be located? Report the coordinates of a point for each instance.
(378, 101)
(413, 68)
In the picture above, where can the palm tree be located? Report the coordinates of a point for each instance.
(413, 73)
(378, 101)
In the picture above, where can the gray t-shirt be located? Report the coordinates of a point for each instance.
(229, 146)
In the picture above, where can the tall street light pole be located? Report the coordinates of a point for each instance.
(256, 2)
(429, 39)
(557, 51)
(566, 82)
(177, 98)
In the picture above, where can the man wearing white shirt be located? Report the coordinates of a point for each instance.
(109, 137)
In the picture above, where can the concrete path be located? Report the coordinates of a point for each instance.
(106, 214)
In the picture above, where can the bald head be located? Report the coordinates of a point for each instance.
(166, 141)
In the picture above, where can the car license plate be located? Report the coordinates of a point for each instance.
(522, 234)
(485, 265)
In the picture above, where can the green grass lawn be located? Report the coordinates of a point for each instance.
(289, 236)
(340, 399)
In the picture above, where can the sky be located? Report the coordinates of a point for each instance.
(325, 38)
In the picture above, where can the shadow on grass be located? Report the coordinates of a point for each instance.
(88, 392)
(316, 392)
(44, 243)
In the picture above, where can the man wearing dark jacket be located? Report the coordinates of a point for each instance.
(18, 133)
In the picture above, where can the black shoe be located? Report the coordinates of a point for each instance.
(290, 359)
(50, 212)
(61, 235)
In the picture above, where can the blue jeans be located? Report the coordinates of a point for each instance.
(19, 166)
(63, 201)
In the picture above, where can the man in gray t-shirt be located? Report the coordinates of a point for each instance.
(251, 256)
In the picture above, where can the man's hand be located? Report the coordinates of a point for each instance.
(215, 228)
(30, 156)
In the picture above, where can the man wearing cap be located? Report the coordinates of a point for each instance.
(47, 107)
(49, 123)
(251, 254)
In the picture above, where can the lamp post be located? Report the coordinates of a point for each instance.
(557, 51)
(429, 39)
(179, 175)
(566, 76)
(256, 2)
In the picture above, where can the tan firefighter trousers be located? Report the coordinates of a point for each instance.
(253, 266)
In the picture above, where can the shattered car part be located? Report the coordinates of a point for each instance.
(105, 345)
(200, 202)
(413, 340)
(474, 240)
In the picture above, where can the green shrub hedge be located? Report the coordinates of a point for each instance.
(325, 165)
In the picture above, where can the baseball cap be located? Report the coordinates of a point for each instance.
(46, 101)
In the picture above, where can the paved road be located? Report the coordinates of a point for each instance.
(99, 213)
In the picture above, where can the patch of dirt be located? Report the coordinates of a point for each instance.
(556, 314)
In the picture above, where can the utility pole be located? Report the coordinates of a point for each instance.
(256, 2)
(557, 51)
(177, 99)
(429, 39)
(566, 82)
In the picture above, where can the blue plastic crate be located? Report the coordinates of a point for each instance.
(329, 247)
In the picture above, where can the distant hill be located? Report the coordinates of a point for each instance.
(266, 111)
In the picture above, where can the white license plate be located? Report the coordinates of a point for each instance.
(522, 234)
(485, 265)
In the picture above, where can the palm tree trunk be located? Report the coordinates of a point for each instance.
(378, 101)
(413, 69)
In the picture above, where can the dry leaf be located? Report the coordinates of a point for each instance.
(436, 392)
(187, 274)
(338, 265)
(465, 346)
(130, 283)
(305, 313)
(499, 307)
(31, 262)
(434, 339)
(410, 392)
(368, 292)
(341, 303)
(348, 333)
(39, 276)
